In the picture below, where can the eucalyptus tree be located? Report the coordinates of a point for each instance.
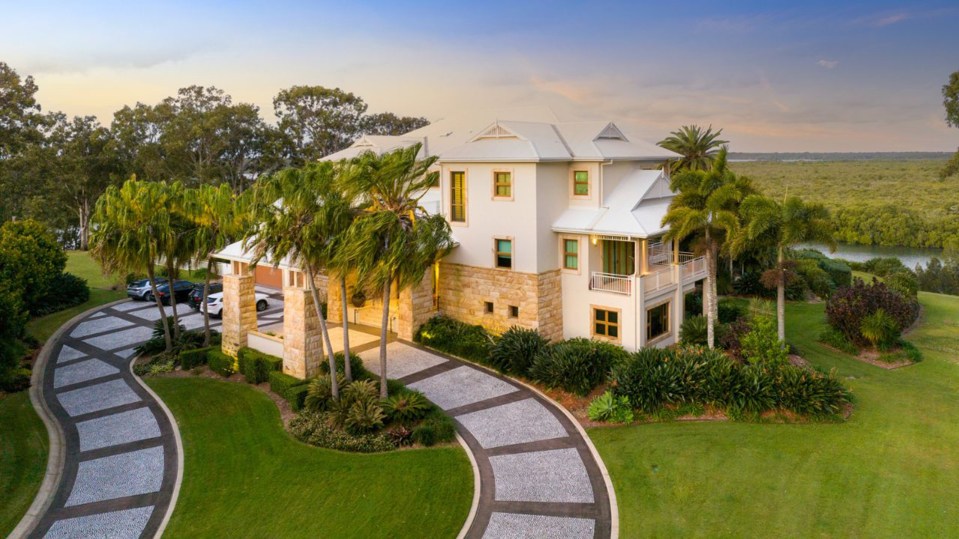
(128, 225)
(394, 239)
(219, 216)
(706, 207)
(295, 208)
(781, 226)
(698, 147)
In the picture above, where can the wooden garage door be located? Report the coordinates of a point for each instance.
(269, 276)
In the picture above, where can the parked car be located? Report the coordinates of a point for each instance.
(142, 290)
(181, 289)
(196, 296)
(214, 303)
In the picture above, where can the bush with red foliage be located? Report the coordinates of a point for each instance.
(848, 306)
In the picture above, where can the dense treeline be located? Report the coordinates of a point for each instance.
(872, 202)
(53, 168)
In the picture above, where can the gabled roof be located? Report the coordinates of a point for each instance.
(512, 141)
(634, 209)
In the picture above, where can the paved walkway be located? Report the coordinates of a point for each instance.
(538, 476)
(120, 454)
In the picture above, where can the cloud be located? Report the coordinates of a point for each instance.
(884, 19)
(828, 64)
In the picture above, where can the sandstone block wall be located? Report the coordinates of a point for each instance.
(302, 339)
(239, 311)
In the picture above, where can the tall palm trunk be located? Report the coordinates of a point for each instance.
(334, 385)
(383, 330)
(709, 294)
(346, 330)
(156, 297)
(781, 297)
(206, 292)
(171, 273)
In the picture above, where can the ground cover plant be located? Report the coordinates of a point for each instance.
(890, 470)
(244, 476)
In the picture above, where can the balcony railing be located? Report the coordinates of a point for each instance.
(611, 282)
(693, 267)
(659, 279)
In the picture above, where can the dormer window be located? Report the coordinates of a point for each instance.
(581, 183)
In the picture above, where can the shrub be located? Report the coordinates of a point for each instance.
(400, 435)
(730, 310)
(693, 303)
(455, 337)
(810, 394)
(646, 379)
(730, 337)
(315, 429)
(694, 331)
(281, 384)
(66, 290)
(577, 365)
(904, 282)
(296, 396)
(879, 329)
(437, 428)
(516, 350)
(157, 342)
(319, 394)
(847, 308)
(194, 358)
(884, 266)
(359, 390)
(220, 363)
(839, 271)
(364, 416)
(408, 406)
(257, 366)
(31, 260)
(612, 408)
(357, 369)
(838, 341)
(906, 351)
(815, 278)
(15, 380)
(761, 344)
(749, 283)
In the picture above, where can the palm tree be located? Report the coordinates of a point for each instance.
(781, 226)
(128, 222)
(706, 206)
(176, 244)
(295, 208)
(340, 223)
(697, 147)
(394, 239)
(219, 217)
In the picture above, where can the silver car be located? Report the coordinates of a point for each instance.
(142, 290)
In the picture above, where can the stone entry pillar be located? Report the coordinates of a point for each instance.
(239, 311)
(302, 340)
(415, 307)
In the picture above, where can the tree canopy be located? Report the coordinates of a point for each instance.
(697, 147)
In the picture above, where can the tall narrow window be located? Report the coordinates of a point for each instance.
(581, 183)
(502, 184)
(606, 323)
(458, 196)
(657, 321)
(504, 254)
(619, 257)
(571, 254)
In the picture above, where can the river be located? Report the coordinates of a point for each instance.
(910, 256)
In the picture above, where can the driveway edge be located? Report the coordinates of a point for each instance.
(476, 487)
(56, 455)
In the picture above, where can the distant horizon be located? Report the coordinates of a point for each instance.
(848, 76)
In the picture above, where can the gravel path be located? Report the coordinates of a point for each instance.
(538, 473)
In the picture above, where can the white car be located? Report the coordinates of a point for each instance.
(214, 303)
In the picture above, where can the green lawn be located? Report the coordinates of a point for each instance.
(23, 457)
(244, 476)
(891, 470)
(81, 264)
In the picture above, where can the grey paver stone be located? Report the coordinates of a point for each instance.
(520, 526)
(69, 354)
(133, 305)
(401, 360)
(82, 371)
(461, 386)
(118, 476)
(121, 339)
(124, 524)
(100, 325)
(121, 428)
(97, 397)
(554, 475)
(126, 354)
(514, 423)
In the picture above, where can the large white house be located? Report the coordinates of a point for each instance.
(558, 227)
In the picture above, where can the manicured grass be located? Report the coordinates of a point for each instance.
(244, 476)
(81, 264)
(23, 447)
(45, 326)
(891, 470)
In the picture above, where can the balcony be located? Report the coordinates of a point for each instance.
(610, 282)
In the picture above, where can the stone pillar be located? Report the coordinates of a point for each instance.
(415, 307)
(302, 340)
(334, 301)
(239, 311)
(549, 308)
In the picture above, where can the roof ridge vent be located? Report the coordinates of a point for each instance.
(611, 132)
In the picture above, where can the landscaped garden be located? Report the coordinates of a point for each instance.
(889, 470)
(247, 477)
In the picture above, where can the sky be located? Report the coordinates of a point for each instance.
(775, 76)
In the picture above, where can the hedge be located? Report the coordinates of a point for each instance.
(297, 396)
(449, 335)
(219, 362)
(194, 358)
(257, 366)
(281, 383)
